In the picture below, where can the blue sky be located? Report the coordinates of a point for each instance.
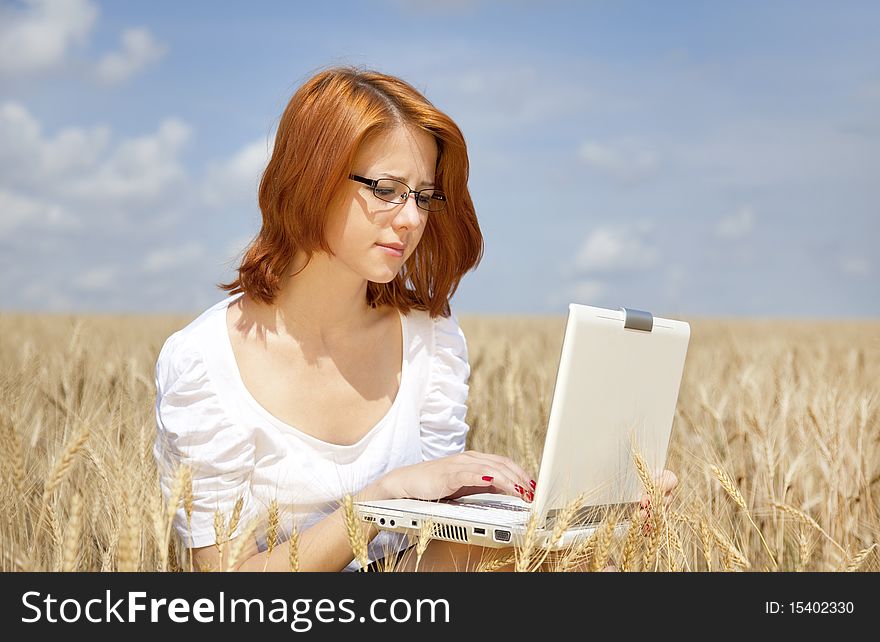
(699, 158)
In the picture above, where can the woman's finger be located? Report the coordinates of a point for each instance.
(491, 475)
(524, 479)
(666, 481)
(514, 472)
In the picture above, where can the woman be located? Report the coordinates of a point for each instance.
(337, 367)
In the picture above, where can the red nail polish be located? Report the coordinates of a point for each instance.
(531, 496)
(487, 478)
(519, 489)
(533, 484)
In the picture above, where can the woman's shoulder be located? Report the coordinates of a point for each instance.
(435, 332)
(186, 347)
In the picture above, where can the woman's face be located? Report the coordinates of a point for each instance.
(358, 221)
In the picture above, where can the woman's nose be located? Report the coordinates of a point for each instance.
(409, 213)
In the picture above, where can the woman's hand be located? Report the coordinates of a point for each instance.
(459, 475)
(666, 481)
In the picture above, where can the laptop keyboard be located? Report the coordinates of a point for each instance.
(493, 511)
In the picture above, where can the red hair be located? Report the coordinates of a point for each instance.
(321, 130)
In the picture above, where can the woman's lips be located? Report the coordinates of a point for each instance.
(390, 250)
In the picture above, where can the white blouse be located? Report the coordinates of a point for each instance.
(206, 418)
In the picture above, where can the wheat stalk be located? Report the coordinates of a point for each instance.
(805, 550)
(563, 521)
(240, 542)
(729, 486)
(188, 504)
(493, 565)
(644, 474)
(272, 525)
(673, 544)
(171, 509)
(128, 553)
(293, 550)
(852, 564)
(806, 519)
(59, 471)
(219, 530)
(859, 558)
(731, 552)
(426, 531)
(706, 544)
(236, 517)
(12, 446)
(71, 541)
(580, 552)
(524, 557)
(356, 538)
(630, 544)
(603, 543)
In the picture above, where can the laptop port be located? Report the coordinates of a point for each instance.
(502, 536)
(392, 522)
(479, 531)
(382, 521)
(369, 518)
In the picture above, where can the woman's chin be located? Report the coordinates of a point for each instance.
(382, 276)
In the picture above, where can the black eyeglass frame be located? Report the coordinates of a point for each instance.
(373, 183)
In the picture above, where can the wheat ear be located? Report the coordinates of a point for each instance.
(856, 561)
(293, 550)
(171, 509)
(426, 531)
(71, 541)
(631, 543)
(271, 531)
(806, 519)
(59, 472)
(356, 538)
(729, 486)
(524, 556)
(240, 542)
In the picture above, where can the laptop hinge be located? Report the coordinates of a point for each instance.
(637, 319)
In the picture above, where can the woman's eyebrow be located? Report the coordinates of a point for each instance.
(402, 180)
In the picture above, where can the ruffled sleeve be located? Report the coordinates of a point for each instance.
(193, 429)
(442, 420)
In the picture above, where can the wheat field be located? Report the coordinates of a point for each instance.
(776, 443)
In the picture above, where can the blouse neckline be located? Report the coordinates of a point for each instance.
(231, 361)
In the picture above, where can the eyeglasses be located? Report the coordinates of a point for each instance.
(393, 191)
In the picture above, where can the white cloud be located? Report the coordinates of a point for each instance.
(139, 50)
(17, 211)
(855, 266)
(80, 177)
(96, 279)
(28, 159)
(140, 170)
(738, 225)
(235, 180)
(619, 248)
(624, 160)
(38, 36)
(586, 291)
(169, 258)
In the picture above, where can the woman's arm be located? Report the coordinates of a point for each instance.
(322, 547)
(325, 545)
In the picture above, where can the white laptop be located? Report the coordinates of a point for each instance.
(616, 390)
